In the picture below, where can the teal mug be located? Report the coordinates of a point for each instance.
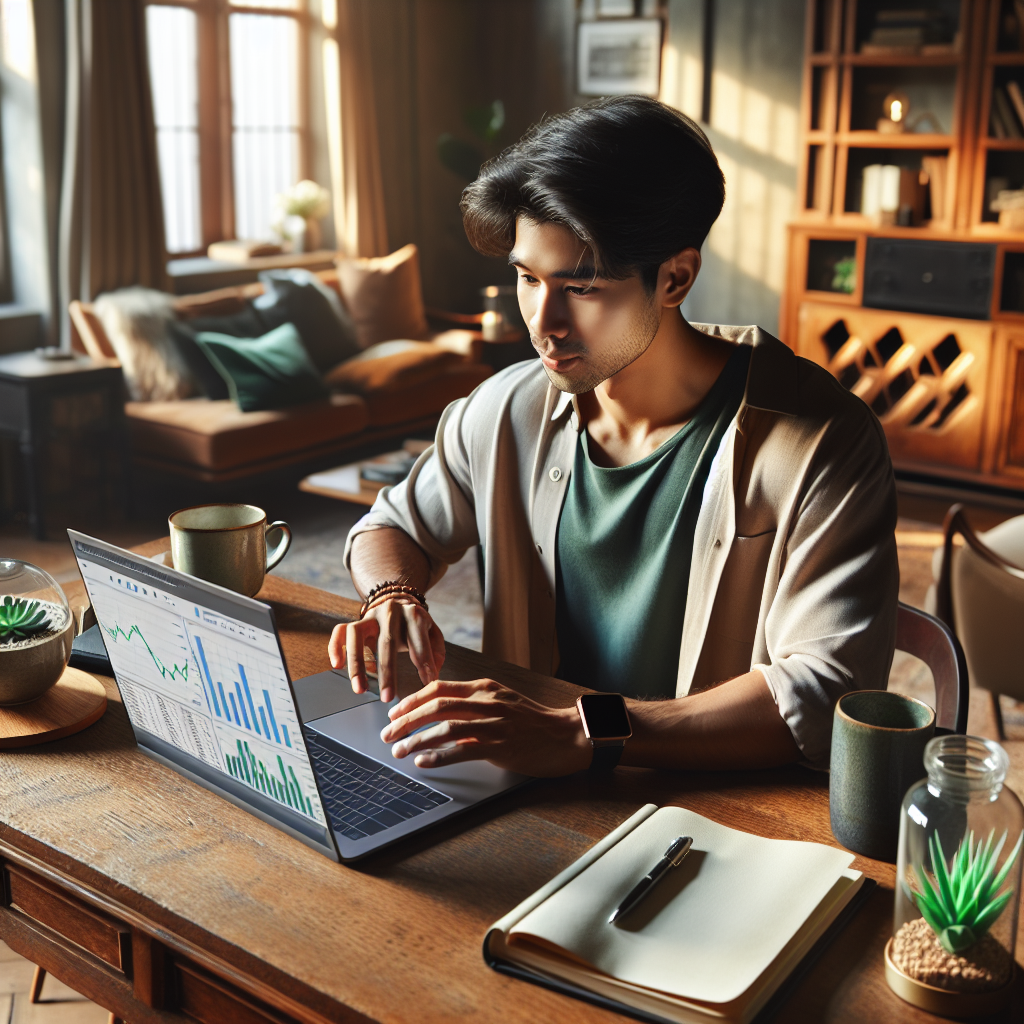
(878, 741)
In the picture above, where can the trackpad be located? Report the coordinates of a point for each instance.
(325, 694)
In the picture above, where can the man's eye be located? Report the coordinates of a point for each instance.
(574, 290)
(527, 279)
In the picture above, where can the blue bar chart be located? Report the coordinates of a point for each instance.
(237, 705)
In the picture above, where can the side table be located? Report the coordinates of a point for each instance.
(42, 399)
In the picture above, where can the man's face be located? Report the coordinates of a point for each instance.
(585, 329)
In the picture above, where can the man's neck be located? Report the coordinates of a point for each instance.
(633, 413)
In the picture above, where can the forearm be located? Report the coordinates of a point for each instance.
(388, 554)
(734, 725)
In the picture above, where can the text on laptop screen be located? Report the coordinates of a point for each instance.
(206, 683)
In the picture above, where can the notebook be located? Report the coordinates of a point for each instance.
(714, 940)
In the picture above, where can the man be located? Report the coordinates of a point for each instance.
(692, 518)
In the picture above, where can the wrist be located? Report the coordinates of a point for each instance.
(579, 751)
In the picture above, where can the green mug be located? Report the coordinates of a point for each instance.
(226, 544)
(878, 741)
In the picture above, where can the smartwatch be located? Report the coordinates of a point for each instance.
(606, 725)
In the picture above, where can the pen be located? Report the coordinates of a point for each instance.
(674, 855)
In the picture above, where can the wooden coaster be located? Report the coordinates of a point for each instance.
(72, 704)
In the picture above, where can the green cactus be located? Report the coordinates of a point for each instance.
(21, 619)
(964, 900)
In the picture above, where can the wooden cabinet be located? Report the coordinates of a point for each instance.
(948, 391)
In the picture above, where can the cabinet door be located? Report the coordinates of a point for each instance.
(925, 377)
(1008, 387)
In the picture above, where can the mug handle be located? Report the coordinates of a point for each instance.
(275, 556)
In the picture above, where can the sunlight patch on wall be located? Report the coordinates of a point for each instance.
(752, 117)
(682, 81)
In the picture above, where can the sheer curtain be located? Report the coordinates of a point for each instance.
(112, 229)
(354, 149)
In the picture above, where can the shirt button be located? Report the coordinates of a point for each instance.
(718, 543)
(555, 474)
(540, 550)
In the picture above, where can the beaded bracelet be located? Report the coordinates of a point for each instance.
(390, 588)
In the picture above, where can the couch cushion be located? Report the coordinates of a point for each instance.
(407, 402)
(269, 372)
(391, 364)
(296, 296)
(217, 435)
(384, 296)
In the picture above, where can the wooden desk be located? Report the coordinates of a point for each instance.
(162, 902)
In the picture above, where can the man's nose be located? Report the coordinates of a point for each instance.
(550, 315)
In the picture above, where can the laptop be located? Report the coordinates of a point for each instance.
(204, 681)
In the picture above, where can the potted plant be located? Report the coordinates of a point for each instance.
(36, 630)
(952, 949)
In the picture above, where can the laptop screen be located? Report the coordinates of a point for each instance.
(202, 678)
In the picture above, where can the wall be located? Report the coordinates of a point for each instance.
(754, 129)
(432, 58)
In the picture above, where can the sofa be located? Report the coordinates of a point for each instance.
(396, 386)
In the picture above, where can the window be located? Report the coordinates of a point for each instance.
(229, 104)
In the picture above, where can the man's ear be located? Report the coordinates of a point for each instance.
(676, 276)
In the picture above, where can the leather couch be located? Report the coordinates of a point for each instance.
(212, 440)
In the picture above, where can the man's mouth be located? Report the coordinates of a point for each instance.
(559, 362)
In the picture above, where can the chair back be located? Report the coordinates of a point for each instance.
(928, 638)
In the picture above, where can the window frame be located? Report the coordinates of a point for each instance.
(213, 60)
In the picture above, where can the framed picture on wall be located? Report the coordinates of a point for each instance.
(617, 57)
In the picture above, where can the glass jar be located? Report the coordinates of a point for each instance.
(36, 630)
(961, 835)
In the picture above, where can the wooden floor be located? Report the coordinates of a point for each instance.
(58, 1003)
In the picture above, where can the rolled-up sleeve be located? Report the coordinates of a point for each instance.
(831, 626)
(434, 505)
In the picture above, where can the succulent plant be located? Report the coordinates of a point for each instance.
(21, 618)
(964, 901)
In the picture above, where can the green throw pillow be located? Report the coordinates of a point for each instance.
(264, 373)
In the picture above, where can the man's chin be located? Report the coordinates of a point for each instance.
(572, 383)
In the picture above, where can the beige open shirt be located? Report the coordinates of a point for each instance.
(794, 567)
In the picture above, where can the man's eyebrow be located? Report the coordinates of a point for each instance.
(585, 271)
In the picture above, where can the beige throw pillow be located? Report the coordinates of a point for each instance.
(384, 296)
(390, 365)
(135, 321)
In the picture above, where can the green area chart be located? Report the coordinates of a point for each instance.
(248, 768)
(174, 670)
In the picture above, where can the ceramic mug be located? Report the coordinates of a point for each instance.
(878, 741)
(226, 544)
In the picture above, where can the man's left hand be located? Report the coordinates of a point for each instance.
(483, 720)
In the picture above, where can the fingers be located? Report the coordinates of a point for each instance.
(389, 642)
(336, 645)
(419, 628)
(438, 688)
(357, 635)
(446, 735)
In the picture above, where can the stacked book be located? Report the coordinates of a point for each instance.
(918, 30)
(892, 194)
(1006, 113)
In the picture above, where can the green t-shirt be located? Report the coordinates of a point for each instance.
(625, 540)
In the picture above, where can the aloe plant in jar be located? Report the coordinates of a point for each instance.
(958, 878)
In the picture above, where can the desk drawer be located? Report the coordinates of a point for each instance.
(72, 919)
(210, 1000)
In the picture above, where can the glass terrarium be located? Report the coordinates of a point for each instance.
(36, 629)
(958, 880)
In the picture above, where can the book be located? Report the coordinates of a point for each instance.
(880, 192)
(1017, 99)
(1006, 115)
(714, 940)
(936, 167)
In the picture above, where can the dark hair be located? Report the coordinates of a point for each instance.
(633, 178)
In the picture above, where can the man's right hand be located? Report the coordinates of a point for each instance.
(397, 624)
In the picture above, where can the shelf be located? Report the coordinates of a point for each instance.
(902, 60)
(907, 140)
(1006, 59)
(1004, 144)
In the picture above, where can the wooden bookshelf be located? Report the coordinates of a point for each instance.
(958, 413)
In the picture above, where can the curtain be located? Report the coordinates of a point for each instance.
(112, 228)
(354, 149)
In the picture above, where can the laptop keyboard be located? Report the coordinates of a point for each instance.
(362, 796)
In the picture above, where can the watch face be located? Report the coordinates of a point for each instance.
(605, 716)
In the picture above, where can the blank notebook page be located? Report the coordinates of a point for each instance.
(710, 927)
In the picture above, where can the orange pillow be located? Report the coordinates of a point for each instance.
(384, 296)
(391, 365)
